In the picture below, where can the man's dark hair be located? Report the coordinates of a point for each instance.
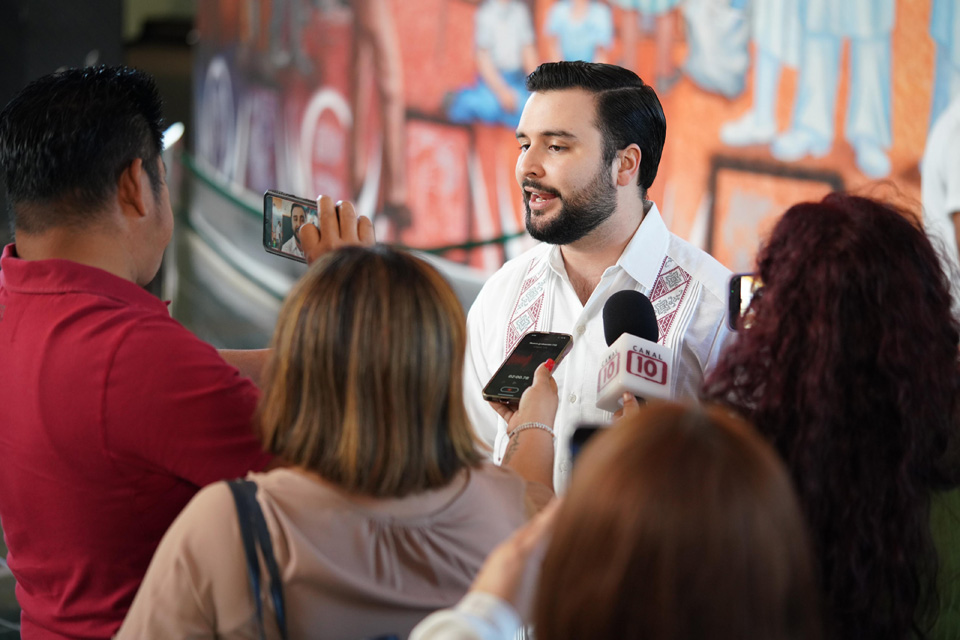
(66, 138)
(628, 110)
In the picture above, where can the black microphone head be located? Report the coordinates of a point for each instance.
(629, 312)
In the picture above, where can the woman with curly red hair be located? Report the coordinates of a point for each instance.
(850, 368)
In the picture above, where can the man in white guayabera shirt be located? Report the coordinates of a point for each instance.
(590, 139)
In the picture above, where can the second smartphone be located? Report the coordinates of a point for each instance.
(283, 215)
(744, 287)
(516, 373)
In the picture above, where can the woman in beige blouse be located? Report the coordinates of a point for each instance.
(387, 510)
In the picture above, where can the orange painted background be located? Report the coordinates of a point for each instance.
(459, 178)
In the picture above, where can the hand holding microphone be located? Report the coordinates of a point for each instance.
(634, 363)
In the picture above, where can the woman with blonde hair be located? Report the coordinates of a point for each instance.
(387, 510)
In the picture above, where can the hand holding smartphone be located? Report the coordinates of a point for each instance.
(283, 215)
(332, 225)
(516, 373)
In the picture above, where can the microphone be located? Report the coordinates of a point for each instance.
(633, 362)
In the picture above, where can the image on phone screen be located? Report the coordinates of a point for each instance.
(283, 215)
(516, 373)
(744, 287)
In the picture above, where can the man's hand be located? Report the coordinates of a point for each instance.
(339, 227)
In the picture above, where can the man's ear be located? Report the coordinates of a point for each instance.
(628, 166)
(131, 187)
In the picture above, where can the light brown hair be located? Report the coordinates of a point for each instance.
(679, 524)
(364, 385)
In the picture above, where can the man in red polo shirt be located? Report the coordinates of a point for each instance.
(112, 415)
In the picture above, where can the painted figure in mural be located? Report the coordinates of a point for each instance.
(940, 189)
(287, 18)
(777, 33)
(591, 136)
(580, 30)
(505, 54)
(663, 11)
(868, 25)
(718, 39)
(376, 52)
(945, 31)
(298, 216)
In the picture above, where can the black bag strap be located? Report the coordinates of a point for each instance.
(254, 532)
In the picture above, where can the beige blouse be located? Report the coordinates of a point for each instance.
(352, 567)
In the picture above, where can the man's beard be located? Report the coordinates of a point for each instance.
(580, 212)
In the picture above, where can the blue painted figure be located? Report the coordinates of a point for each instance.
(505, 54)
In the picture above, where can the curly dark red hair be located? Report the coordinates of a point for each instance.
(850, 368)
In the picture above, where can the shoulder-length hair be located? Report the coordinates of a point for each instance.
(679, 524)
(850, 369)
(364, 385)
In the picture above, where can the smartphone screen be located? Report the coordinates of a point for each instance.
(743, 288)
(283, 215)
(516, 373)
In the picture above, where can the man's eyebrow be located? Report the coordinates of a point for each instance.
(559, 133)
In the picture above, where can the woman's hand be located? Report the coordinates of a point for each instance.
(537, 404)
(530, 436)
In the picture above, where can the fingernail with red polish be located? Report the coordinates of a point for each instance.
(549, 364)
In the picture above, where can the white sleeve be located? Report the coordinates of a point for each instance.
(477, 371)
(478, 616)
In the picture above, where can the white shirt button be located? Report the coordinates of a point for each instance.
(573, 397)
(581, 329)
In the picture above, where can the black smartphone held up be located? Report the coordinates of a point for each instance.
(743, 288)
(283, 215)
(581, 435)
(516, 373)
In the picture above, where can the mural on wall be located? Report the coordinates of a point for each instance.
(408, 107)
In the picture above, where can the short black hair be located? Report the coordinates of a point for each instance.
(628, 110)
(67, 137)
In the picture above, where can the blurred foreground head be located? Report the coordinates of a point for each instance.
(679, 524)
(850, 369)
(364, 385)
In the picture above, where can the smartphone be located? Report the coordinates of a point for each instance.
(581, 435)
(516, 373)
(744, 287)
(283, 215)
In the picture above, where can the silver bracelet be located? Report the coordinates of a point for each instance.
(532, 425)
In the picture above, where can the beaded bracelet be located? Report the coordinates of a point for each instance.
(531, 425)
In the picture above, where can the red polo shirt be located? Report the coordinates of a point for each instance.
(112, 416)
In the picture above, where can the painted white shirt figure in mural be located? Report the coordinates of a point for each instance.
(868, 25)
(584, 186)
